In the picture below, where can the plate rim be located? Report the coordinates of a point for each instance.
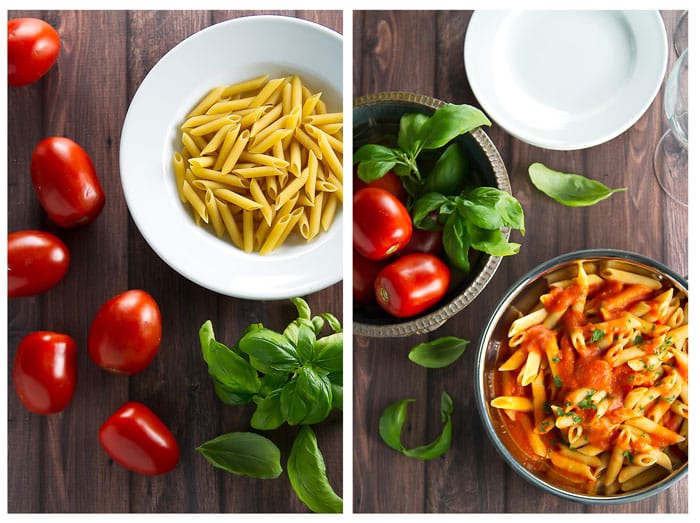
(541, 139)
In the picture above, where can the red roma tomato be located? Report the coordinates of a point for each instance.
(65, 182)
(32, 48)
(36, 261)
(389, 182)
(364, 272)
(423, 241)
(126, 332)
(381, 224)
(411, 284)
(138, 440)
(45, 371)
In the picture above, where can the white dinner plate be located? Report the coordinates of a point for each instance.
(565, 79)
(225, 53)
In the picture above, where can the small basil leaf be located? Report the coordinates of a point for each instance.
(307, 474)
(306, 339)
(317, 323)
(303, 309)
(392, 420)
(491, 242)
(291, 332)
(448, 122)
(268, 414)
(306, 398)
(443, 442)
(448, 174)
(455, 242)
(337, 391)
(244, 453)
(230, 370)
(573, 190)
(425, 209)
(375, 161)
(439, 352)
(329, 352)
(410, 128)
(231, 397)
(333, 322)
(270, 348)
(272, 381)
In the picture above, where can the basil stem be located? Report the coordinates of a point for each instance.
(573, 190)
(307, 474)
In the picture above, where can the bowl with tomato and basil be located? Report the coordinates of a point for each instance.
(432, 212)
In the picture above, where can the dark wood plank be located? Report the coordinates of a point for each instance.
(422, 52)
(55, 463)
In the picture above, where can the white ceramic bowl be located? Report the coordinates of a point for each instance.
(225, 53)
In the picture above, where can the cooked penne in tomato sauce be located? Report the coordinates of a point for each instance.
(593, 383)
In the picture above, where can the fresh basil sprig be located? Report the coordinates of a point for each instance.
(293, 377)
(391, 424)
(470, 218)
(573, 190)
(439, 352)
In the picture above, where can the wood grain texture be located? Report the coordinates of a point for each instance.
(422, 52)
(55, 463)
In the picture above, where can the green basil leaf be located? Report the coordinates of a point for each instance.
(391, 424)
(306, 398)
(448, 122)
(229, 371)
(307, 474)
(336, 377)
(306, 339)
(268, 414)
(491, 208)
(439, 352)
(374, 161)
(491, 242)
(317, 324)
(272, 381)
(333, 322)
(231, 397)
(573, 190)
(270, 348)
(303, 309)
(455, 242)
(448, 175)
(329, 352)
(244, 453)
(424, 209)
(410, 127)
(337, 391)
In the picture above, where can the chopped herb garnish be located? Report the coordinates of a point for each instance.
(597, 335)
(557, 381)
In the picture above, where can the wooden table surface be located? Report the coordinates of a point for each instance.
(422, 52)
(55, 463)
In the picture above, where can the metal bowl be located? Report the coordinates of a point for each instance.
(376, 120)
(521, 297)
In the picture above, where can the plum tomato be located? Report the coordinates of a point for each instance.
(32, 49)
(364, 272)
(36, 261)
(65, 182)
(389, 182)
(45, 371)
(136, 438)
(126, 332)
(423, 241)
(411, 284)
(381, 225)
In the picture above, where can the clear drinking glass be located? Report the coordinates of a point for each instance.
(671, 155)
(680, 34)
